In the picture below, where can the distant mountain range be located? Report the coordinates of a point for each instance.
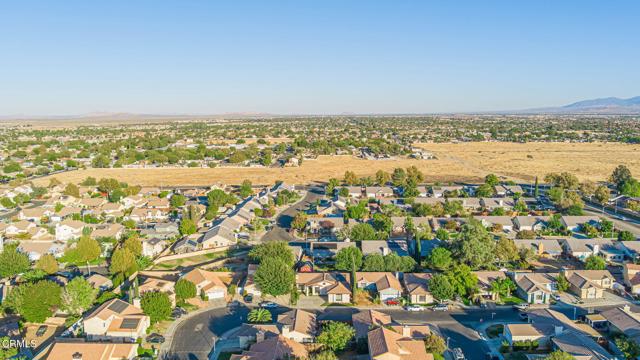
(609, 105)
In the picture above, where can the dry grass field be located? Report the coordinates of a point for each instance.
(456, 162)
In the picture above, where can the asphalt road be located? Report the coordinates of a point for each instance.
(283, 221)
(194, 338)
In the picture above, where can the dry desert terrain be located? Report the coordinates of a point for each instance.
(455, 162)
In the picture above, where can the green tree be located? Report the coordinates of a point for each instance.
(133, 244)
(156, 305)
(35, 301)
(349, 259)
(336, 335)
(626, 236)
(373, 262)
(272, 250)
(48, 264)
(602, 195)
(185, 289)
(440, 259)
(629, 348)
(246, 188)
(122, 261)
(177, 200)
(382, 222)
(440, 287)
(485, 190)
(503, 287)
(620, 175)
(363, 231)
(595, 262)
(491, 180)
(434, 344)
(350, 178)
(188, 227)
(474, 246)
(259, 316)
(332, 185)
(13, 262)
(78, 295)
(398, 177)
(324, 355)
(72, 190)
(274, 277)
(299, 222)
(562, 283)
(506, 250)
(7, 352)
(463, 280)
(559, 355)
(382, 177)
(88, 249)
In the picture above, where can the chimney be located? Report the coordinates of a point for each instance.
(596, 249)
(385, 251)
(285, 330)
(626, 308)
(559, 330)
(260, 336)
(406, 331)
(76, 356)
(540, 248)
(136, 302)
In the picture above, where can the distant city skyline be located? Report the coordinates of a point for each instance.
(329, 57)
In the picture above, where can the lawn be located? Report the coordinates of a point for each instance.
(189, 261)
(511, 300)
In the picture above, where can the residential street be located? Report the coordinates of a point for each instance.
(195, 336)
(283, 221)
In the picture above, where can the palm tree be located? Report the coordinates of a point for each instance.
(259, 316)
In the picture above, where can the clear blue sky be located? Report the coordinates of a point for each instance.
(306, 56)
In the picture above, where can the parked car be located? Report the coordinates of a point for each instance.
(178, 312)
(458, 354)
(155, 338)
(268, 305)
(524, 316)
(392, 302)
(414, 308)
(41, 330)
(440, 307)
(555, 297)
(523, 306)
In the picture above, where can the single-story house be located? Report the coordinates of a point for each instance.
(385, 284)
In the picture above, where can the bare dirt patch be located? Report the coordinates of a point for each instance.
(455, 162)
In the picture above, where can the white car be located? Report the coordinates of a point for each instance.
(523, 306)
(414, 308)
(441, 307)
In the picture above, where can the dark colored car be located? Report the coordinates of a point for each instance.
(248, 298)
(178, 312)
(41, 330)
(155, 339)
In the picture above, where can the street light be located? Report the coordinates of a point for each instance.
(448, 342)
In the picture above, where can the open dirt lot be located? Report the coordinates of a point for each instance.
(456, 162)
